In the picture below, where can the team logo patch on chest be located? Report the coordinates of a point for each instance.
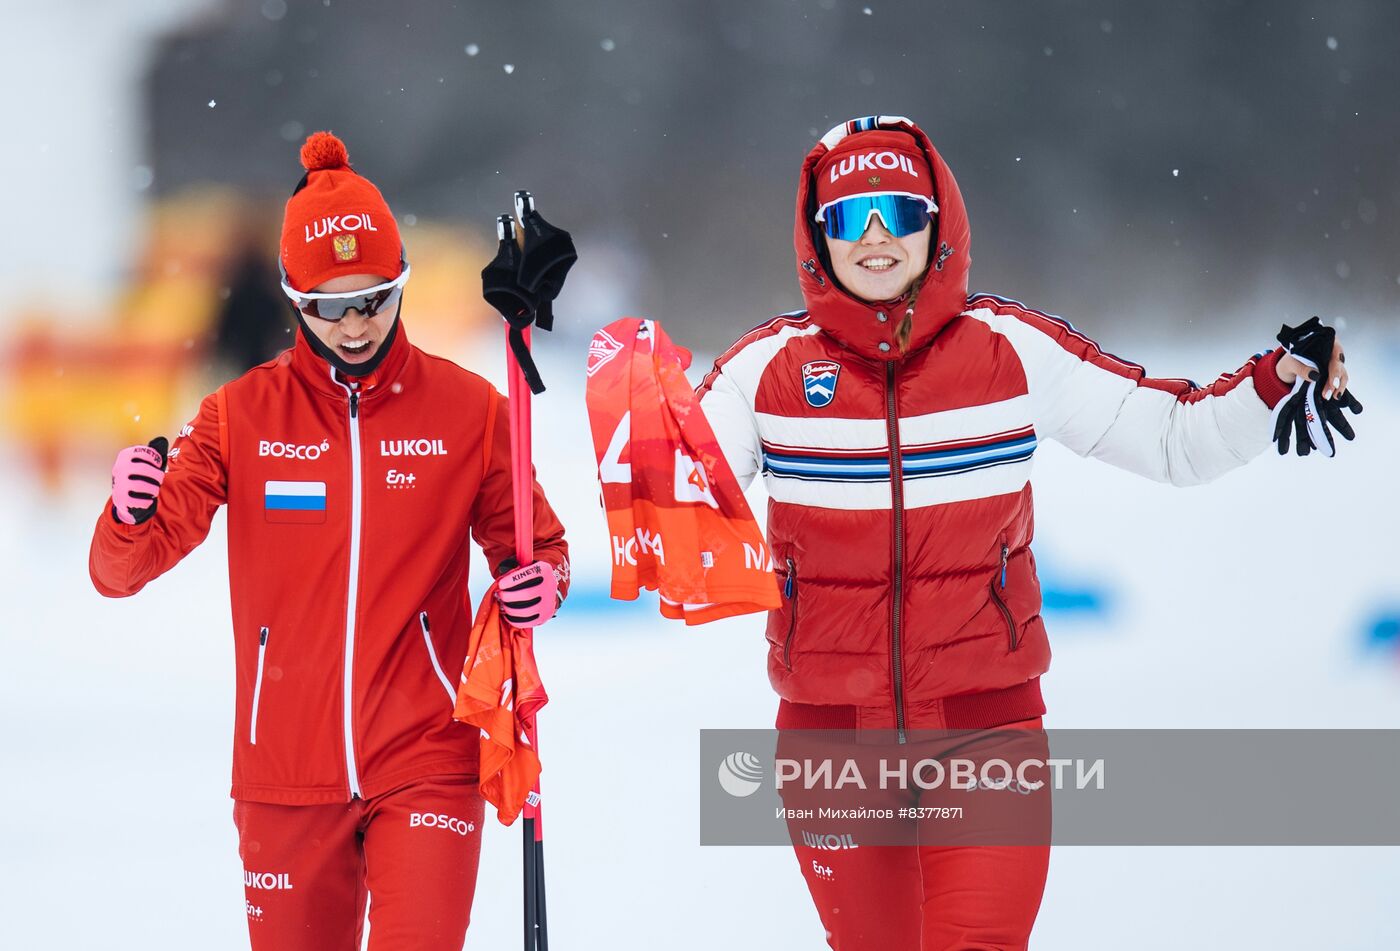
(819, 381)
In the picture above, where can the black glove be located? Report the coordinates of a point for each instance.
(500, 285)
(1304, 414)
(1311, 341)
(548, 255)
(500, 280)
(521, 284)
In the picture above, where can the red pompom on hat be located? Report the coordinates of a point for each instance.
(880, 160)
(336, 222)
(323, 150)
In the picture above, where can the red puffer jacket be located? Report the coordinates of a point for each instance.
(350, 518)
(912, 600)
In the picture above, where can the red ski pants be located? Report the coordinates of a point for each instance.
(412, 853)
(924, 897)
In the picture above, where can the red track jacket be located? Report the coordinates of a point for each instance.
(898, 474)
(349, 521)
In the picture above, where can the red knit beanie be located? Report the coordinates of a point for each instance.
(336, 222)
(880, 160)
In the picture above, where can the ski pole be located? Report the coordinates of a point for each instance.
(521, 283)
(522, 485)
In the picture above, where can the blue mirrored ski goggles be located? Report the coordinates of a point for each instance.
(901, 213)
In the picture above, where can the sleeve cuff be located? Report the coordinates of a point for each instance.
(1266, 382)
(562, 577)
(122, 528)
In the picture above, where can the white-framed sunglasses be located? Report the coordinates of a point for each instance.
(368, 301)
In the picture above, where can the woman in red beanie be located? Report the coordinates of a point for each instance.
(356, 469)
(894, 421)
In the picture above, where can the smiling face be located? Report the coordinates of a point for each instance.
(879, 266)
(354, 338)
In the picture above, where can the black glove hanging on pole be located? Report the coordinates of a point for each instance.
(1304, 414)
(545, 261)
(500, 285)
(500, 281)
(522, 283)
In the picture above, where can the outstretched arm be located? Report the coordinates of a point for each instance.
(1101, 406)
(123, 558)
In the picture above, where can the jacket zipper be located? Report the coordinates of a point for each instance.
(257, 688)
(790, 593)
(432, 656)
(996, 596)
(897, 510)
(353, 588)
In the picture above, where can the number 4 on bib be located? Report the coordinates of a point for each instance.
(691, 484)
(679, 523)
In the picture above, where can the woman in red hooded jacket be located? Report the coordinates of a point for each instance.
(357, 470)
(895, 421)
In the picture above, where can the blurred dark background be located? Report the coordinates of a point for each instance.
(1121, 162)
(1175, 178)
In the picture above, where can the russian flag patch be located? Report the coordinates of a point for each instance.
(295, 502)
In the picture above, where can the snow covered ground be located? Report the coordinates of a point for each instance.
(116, 830)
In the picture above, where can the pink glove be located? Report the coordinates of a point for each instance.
(529, 596)
(136, 478)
